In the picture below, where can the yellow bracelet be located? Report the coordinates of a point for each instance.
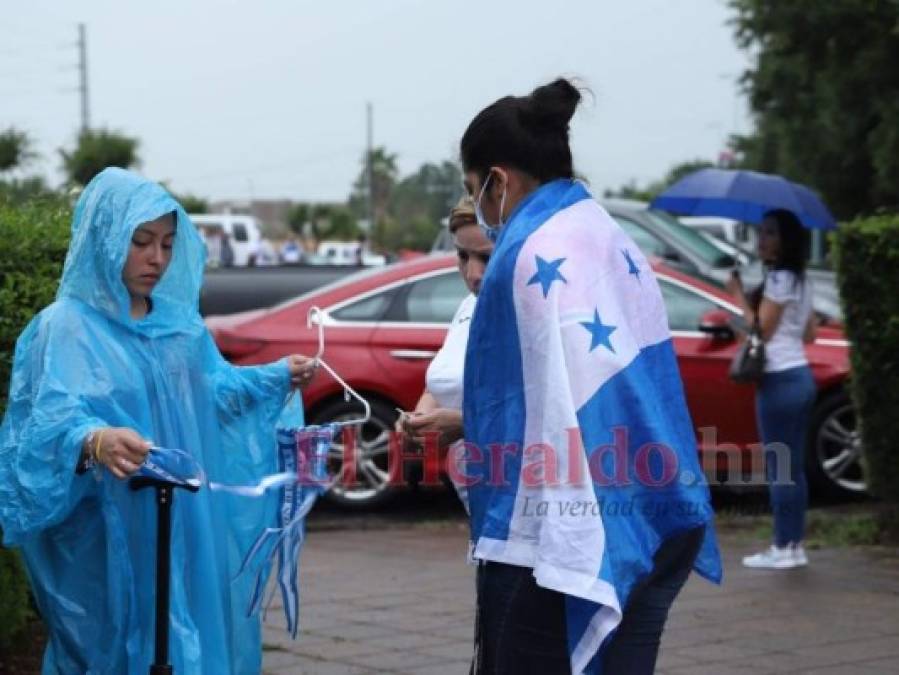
(98, 447)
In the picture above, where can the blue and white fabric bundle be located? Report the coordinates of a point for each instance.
(302, 478)
(582, 459)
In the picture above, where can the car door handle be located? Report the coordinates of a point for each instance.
(413, 354)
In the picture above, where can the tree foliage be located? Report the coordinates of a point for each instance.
(824, 92)
(299, 215)
(428, 193)
(408, 211)
(418, 204)
(324, 221)
(20, 191)
(866, 253)
(192, 203)
(341, 224)
(96, 150)
(15, 149)
(384, 173)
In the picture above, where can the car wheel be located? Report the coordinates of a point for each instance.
(364, 482)
(834, 450)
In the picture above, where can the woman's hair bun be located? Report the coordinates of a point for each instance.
(551, 106)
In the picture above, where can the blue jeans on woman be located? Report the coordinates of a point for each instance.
(783, 405)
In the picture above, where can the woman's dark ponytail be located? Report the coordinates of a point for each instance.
(529, 133)
(551, 107)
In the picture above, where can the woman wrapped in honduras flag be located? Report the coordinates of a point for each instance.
(119, 358)
(588, 507)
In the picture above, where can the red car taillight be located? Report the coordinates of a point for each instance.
(236, 347)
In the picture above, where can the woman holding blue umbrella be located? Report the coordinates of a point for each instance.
(782, 308)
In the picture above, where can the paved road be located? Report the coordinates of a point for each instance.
(394, 595)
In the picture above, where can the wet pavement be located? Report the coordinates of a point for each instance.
(391, 592)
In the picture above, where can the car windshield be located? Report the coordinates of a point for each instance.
(690, 239)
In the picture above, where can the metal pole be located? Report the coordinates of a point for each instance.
(164, 496)
(82, 68)
(370, 167)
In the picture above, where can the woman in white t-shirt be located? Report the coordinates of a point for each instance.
(439, 410)
(784, 399)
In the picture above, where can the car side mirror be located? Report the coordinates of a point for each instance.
(716, 324)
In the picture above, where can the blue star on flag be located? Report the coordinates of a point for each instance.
(631, 265)
(599, 332)
(547, 273)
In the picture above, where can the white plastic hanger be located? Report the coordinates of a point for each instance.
(318, 315)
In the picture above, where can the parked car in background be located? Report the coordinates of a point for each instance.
(742, 257)
(349, 253)
(685, 248)
(243, 234)
(383, 327)
(732, 231)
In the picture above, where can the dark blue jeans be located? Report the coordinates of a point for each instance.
(521, 627)
(783, 405)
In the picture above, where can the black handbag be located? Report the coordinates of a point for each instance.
(749, 361)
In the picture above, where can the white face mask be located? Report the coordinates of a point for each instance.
(490, 231)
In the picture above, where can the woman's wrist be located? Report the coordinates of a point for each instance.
(86, 459)
(90, 450)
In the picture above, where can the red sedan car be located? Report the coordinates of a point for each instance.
(383, 326)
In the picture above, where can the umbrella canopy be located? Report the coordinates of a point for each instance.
(743, 195)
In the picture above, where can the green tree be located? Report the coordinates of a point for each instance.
(430, 192)
(15, 149)
(678, 171)
(192, 203)
(342, 224)
(824, 93)
(298, 216)
(630, 190)
(96, 150)
(384, 175)
(21, 191)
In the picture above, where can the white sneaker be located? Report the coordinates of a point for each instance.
(799, 555)
(774, 558)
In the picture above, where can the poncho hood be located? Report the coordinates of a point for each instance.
(111, 207)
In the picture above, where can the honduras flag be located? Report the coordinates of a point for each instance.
(581, 459)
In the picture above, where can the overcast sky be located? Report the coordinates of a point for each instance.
(267, 99)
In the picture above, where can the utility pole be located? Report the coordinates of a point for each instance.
(370, 169)
(82, 69)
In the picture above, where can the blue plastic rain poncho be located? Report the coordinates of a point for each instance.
(89, 542)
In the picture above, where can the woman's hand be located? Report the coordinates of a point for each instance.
(302, 370)
(410, 446)
(446, 423)
(120, 450)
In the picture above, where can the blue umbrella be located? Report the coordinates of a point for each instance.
(744, 196)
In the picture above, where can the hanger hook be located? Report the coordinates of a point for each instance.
(319, 316)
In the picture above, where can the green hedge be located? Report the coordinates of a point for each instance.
(33, 242)
(15, 606)
(866, 253)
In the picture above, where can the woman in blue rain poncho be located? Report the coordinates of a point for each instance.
(122, 359)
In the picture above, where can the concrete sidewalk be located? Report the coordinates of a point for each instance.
(401, 600)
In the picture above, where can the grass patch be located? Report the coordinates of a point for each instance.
(866, 524)
(843, 529)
